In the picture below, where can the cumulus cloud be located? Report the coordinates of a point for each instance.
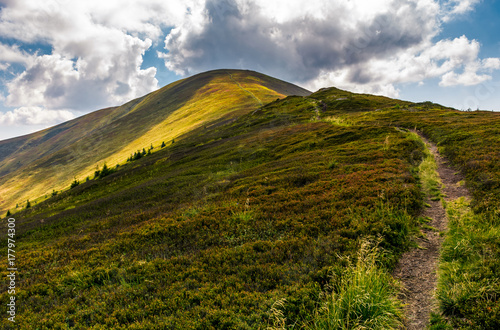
(454, 62)
(451, 8)
(34, 116)
(12, 54)
(361, 45)
(97, 48)
(301, 40)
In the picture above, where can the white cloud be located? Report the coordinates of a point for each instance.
(455, 62)
(34, 116)
(12, 54)
(97, 50)
(97, 47)
(453, 8)
(491, 63)
(107, 75)
(361, 45)
(299, 40)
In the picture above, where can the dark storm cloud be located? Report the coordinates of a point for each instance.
(297, 49)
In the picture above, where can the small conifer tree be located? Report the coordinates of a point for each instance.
(163, 144)
(8, 213)
(74, 183)
(28, 204)
(105, 171)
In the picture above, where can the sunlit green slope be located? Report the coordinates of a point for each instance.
(208, 232)
(34, 165)
(254, 218)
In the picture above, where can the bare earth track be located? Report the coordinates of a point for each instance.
(417, 268)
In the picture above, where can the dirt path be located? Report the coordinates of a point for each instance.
(246, 90)
(417, 268)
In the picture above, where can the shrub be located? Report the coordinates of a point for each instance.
(75, 183)
(105, 171)
(333, 164)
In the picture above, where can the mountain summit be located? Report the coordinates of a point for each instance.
(51, 159)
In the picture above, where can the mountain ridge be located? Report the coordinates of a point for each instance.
(253, 216)
(116, 132)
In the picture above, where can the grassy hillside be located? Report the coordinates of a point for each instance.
(51, 159)
(211, 230)
(254, 217)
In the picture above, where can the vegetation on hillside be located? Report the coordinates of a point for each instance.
(52, 158)
(469, 289)
(210, 231)
(259, 218)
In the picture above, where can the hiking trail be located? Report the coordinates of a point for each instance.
(417, 268)
(246, 90)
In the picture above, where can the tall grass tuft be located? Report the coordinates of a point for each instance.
(363, 297)
(278, 318)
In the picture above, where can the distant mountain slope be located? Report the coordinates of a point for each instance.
(52, 158)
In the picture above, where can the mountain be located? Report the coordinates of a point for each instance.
(293, 213)
(51, 159)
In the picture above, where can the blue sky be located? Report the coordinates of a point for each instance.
(481, 24)
(60, 59)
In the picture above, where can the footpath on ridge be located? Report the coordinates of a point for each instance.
(246, 90)
(417, 269)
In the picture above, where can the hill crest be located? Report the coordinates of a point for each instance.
(50, 159)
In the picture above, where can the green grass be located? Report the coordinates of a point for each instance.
(209, 232)
(427, 172)
(340, 121)
(468, 276)
(363, 297)
(431, 182)
(242, 221)
(469, 289)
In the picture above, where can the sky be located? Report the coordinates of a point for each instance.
(60, 59)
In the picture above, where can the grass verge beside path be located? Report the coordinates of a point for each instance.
(469, 287)
(362, 295)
